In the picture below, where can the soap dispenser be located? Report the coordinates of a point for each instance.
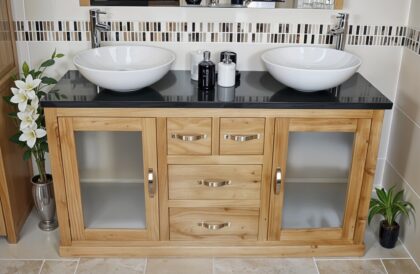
(206, 73)
(226, 72)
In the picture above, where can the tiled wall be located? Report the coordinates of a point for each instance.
(402, 166)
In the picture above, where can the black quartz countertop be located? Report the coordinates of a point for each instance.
(257, 89)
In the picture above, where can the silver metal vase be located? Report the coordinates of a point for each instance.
(43, 195)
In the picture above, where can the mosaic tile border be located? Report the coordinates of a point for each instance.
(218, 32)
(413, 40)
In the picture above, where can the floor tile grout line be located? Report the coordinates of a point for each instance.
(360, 259)
(316, 265)
(386, 270)
(212, 265)
(77, 266)
(411, 256)
(145, 265)
(42, 265)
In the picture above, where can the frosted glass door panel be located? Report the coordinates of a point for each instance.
(316, 179)
(111, 179)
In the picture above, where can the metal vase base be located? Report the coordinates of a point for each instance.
(48, 225)
(43, 195)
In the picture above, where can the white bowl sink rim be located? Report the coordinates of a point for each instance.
(309, 68)
(130, 67)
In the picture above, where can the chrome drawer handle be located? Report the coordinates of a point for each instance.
(278, 180)
(214, 183)
(213, 226)
(242, 138)
(189, 138)
(151, 183)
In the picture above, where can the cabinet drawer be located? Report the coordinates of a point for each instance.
(242, 136)
(189, 136)
(209, 224)
(194, 182)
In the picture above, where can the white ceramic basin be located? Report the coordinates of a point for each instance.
(310, 69)
(124, 68)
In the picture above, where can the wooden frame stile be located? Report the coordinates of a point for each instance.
(60, 194)
(163, 179)
(67, 127)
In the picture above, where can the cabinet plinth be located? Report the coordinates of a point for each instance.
(248, 182)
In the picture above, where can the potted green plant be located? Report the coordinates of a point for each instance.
(390, 206)
(29, 89)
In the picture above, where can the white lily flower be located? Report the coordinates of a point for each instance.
(29, 84)
(33, 106)
(29, 135)
(28, 119)
(21, 97)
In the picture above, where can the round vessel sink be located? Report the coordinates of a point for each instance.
(124, 68)
(310, 69)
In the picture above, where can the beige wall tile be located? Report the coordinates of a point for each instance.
(404, 149)
(350, 267)
(111, 266)
(20, 267)
(263, 266)
(408, 98)
(56, 266)
(179, 266)
(401, 266)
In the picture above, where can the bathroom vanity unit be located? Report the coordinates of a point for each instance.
(256, 170)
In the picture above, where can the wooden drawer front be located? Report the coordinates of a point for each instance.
(189, 136)
(209, 224)
(214, 182)
(242, 136)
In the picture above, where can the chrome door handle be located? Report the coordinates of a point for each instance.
(214, 183)
(241, 138)
(213, 226)
(278, 180)
(189, 138)
(151, 183)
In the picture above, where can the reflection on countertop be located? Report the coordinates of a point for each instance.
(256, 89)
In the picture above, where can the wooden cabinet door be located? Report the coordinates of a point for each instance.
(110, 170)
(318, 168)
(8, 62)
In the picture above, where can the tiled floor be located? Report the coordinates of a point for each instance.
(37, 253)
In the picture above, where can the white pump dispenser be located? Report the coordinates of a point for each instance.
(226, 72)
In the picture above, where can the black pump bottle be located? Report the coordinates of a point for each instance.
(206, 73)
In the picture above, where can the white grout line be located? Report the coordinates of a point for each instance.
(42, 265)
(382, 262)
(212, 266)
(358, 259)
(404, 181)
(316, 265)
(77, 266)
(411, 256)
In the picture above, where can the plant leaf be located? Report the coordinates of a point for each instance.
(27, 155)
(53, 55)
(48, 80)
(59, 55)
(47, 63)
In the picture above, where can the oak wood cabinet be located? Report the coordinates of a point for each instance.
(15, 174)
(209, 182)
